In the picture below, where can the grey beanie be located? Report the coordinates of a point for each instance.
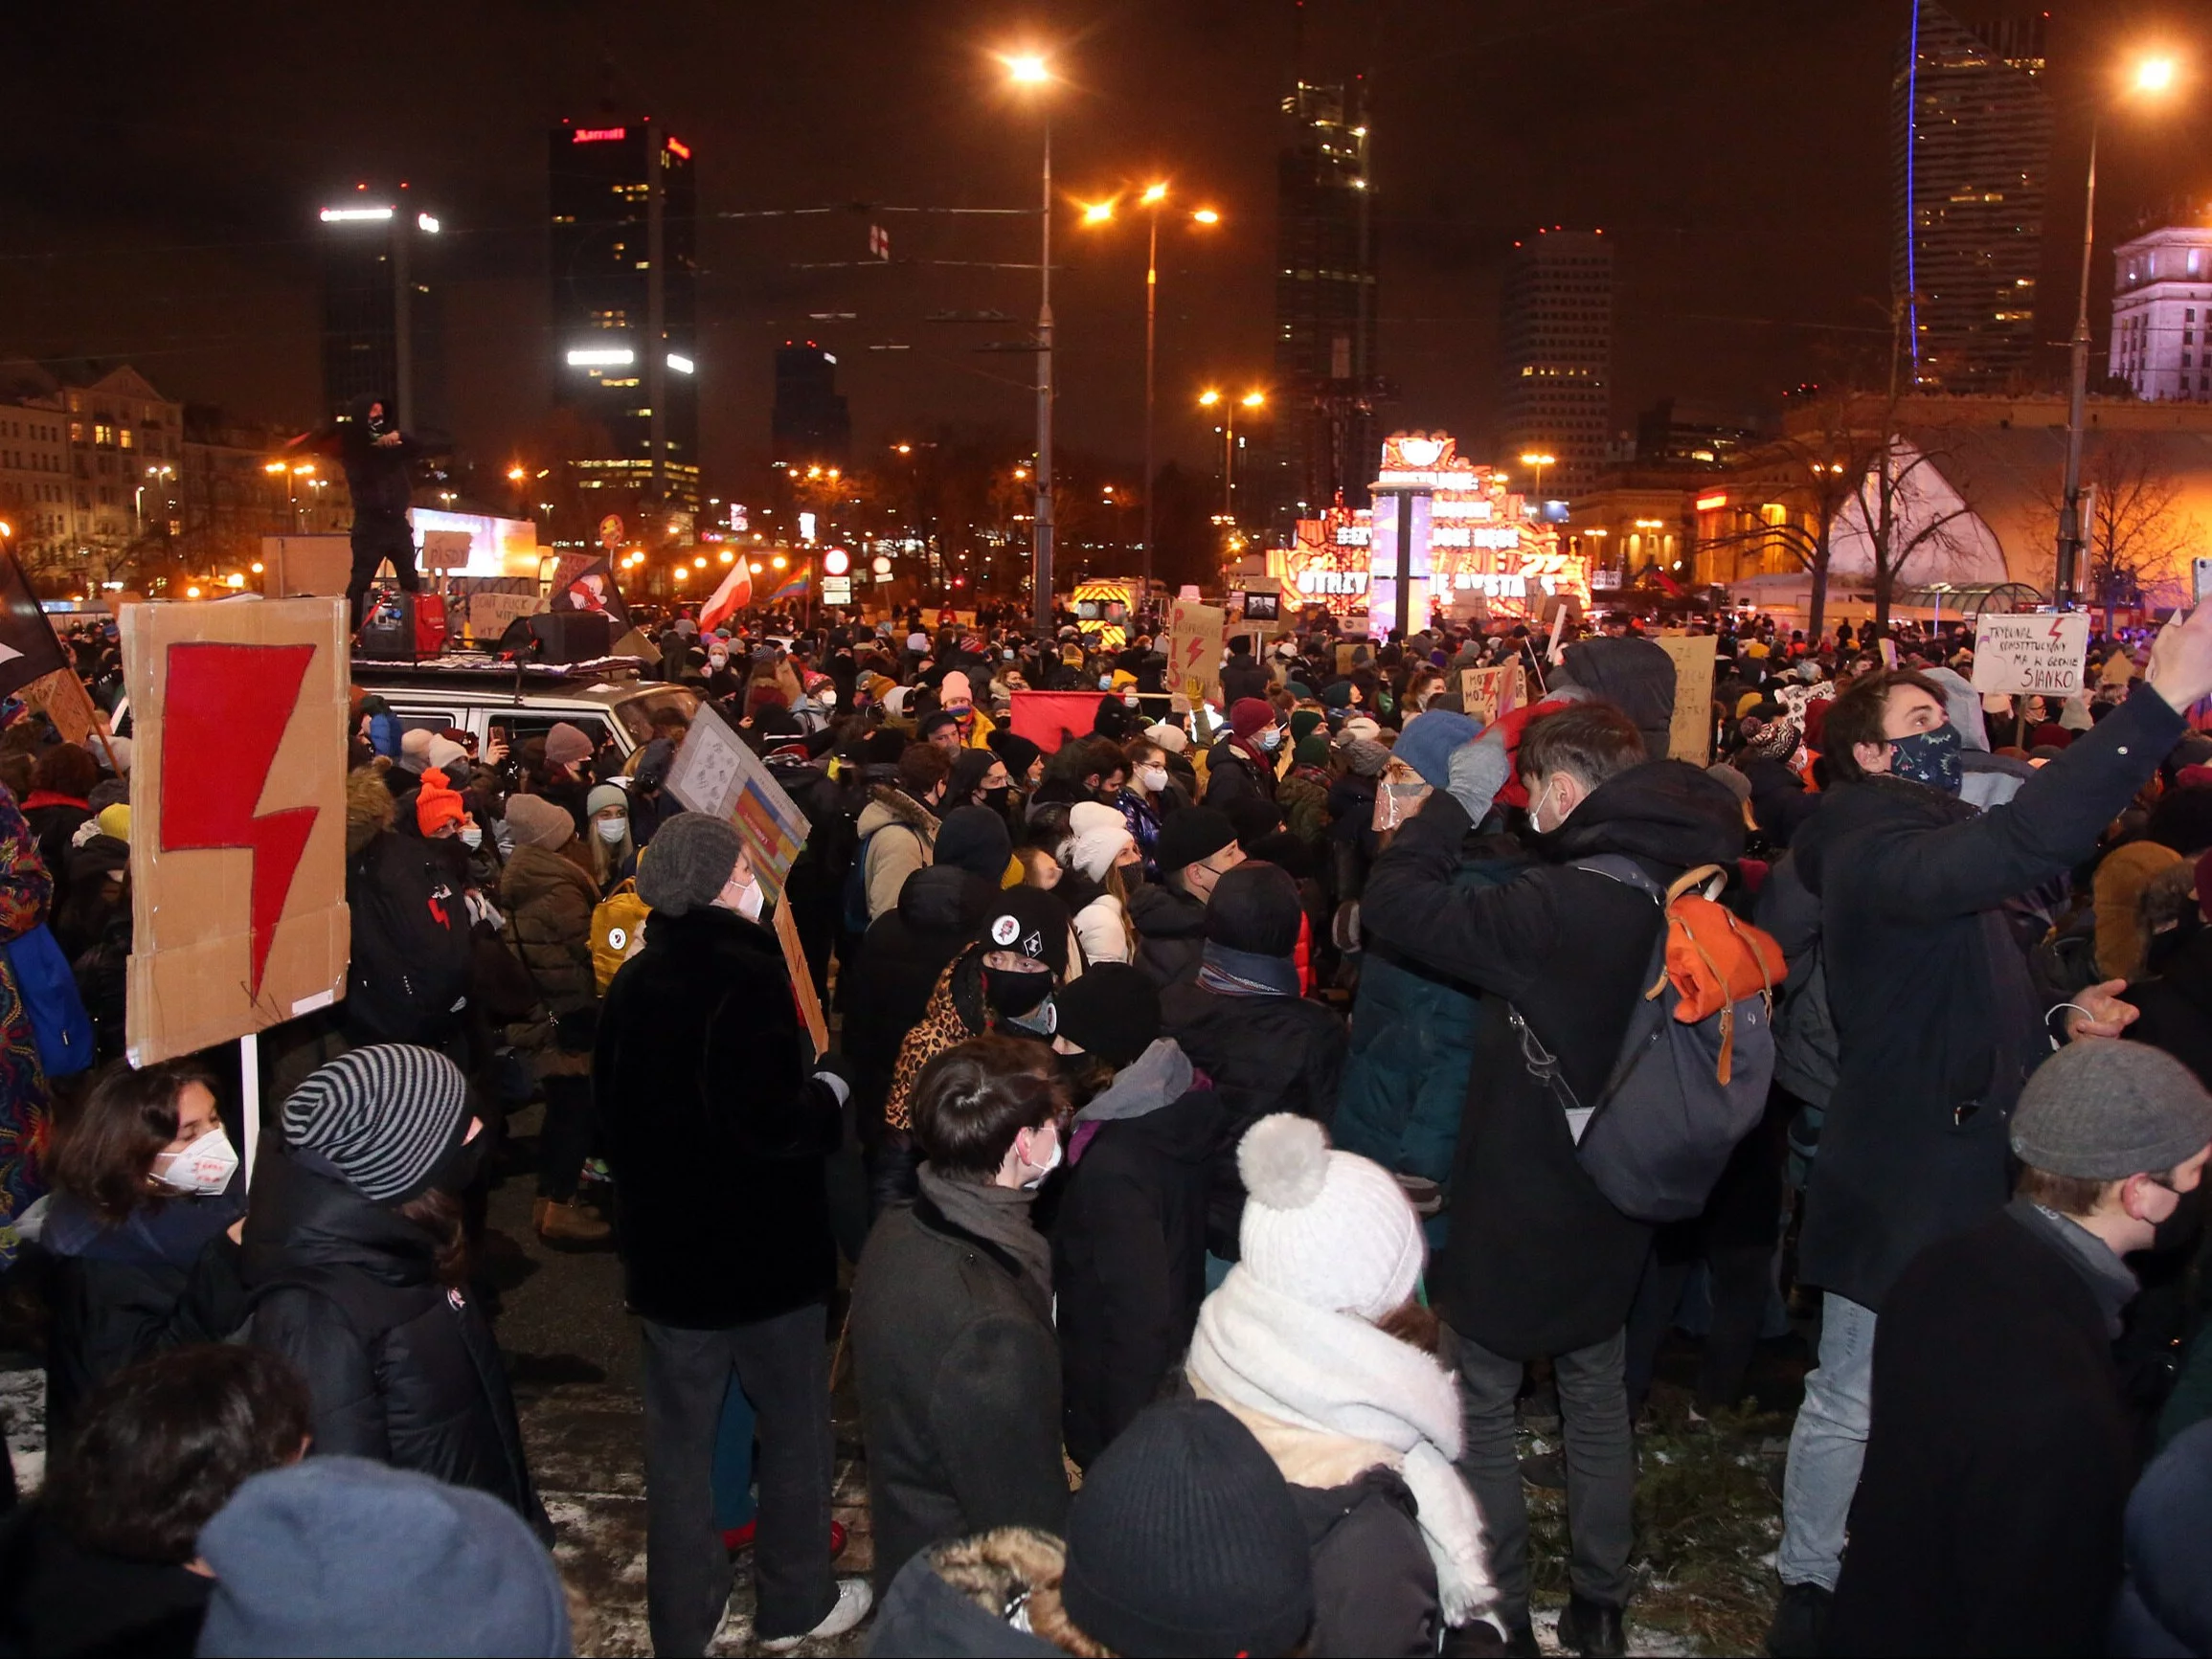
(688, 862)
(538, 823)
(2102, 1110)
(1730, 779)
(387, 1117)
(445, 1570)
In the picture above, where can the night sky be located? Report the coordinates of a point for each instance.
(165, 164)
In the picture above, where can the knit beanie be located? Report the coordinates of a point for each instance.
(1776, 740)
(1017, 752)
(1249, 714)
(1185, 1538)
(688, 862)
(1112, 1011)
(2102, 1110)
(388, 1119)
(974, 838)
(115, 821)
(1100, 836)
(1427, 741)
(1330, 1229)
(604, 796)
(435, 803)
(1256, 817)
(1028, 920)
(1304, 721)
(953, 689)
(1189, 834)
(1172, 738)
(1313, 749)
(1361, 726)
(538, 823)
(452, 1571)
(415, 748)
(1730, 779)
(566, 746)
(1255, 908)
(1364, 756)
(445, 754)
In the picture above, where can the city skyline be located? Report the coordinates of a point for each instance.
(1731, 289)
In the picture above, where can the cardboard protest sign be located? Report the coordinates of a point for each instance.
(490, 614)
(2042, 653)
(1487, 693)
(1194, 649)
(446, 550)
(64, 700)
(1048, 719)
(716, 774)
(1690, 738)
(237, 851)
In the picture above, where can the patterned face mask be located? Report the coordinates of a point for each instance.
(1930, 757)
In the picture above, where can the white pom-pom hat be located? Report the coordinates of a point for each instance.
(1331, 1229)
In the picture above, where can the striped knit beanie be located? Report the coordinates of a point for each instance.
(387, 1117)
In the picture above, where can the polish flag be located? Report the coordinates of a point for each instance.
(733, 596)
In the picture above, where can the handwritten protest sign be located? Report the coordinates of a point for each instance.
(2041, 652)
(1690, 737)
(1487, 693)
(1194, 646)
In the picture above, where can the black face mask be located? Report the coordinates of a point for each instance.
(2180, 1228)
(1011, 992)
(466, 1164)
(996, 799)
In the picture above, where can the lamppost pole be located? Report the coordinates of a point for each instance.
(2077, 398)
(1151, 313)
(1042, 575)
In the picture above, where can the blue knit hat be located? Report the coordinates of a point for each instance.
(339, 1554)
(1427, 743)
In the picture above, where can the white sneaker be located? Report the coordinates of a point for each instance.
(855, 1601)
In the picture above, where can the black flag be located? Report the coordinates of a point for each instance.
(28, 648)
(590, 587)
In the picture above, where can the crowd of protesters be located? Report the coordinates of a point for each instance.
(1211, 1153)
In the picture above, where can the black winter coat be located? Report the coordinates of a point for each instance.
(1232, 776)
(1243, 675)
(1170, 933)
(58, 1599)
(1129, 1262)
(413, 955)
(1374, 1583)
(1538, 1261)
(114, 1295)
(715, 1127)
(1263, 1054)
(1936, 1021)
(1780, 801)
(900, 958)
(2175, 1008)
(1989, 1511)
(959, 1390)
(401, 1368)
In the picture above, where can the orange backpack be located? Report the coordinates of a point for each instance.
(1713, 960)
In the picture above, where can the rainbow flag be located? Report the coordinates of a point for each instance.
(794, 589)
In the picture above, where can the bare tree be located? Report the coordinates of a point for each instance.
(1885, 496)
(2137, 536)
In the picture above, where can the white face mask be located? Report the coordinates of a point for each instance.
(1105, 682)
(1047, 1168)
(612, 830)
(1269, 738)
(717, 661)
(1154, 778)
(471, 836)
(750, 901)
(203, 1168)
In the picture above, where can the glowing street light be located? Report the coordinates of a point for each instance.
(1097, 212)
(1539, 463)
(1213, 398)
(1205, 216)
(2155, 75)
(1027, 69)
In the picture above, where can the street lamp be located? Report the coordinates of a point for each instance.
(2154, 78)
(1539, 463)
(1031, 70)
(1212, 398)
(1149, 199)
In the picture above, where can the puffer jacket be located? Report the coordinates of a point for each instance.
(399, 1367)
(549, 902)
(896, 834)
(1413, 1041)
(1170, 933)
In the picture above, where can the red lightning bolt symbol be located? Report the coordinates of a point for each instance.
(224, 713)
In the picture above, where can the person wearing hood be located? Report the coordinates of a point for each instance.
(1129, 1235)
(907, 950)
(1101, 860)
(1986, 779)
(1197, 846)
(717, 1119)
(377, 458)
(1243, 675)
(1184, 1539)
(549, 898)
(1537, 1262)
(412, 963)
(722, 680)
(1317, 1342)
(899, 824)
(1242, 1023)
(357, 1272)
(952, 1312)
(1937, 1025)
(1241, 765)
(140, 1231)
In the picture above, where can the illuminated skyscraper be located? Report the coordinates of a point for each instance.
(1325, 386)
(624, 302)
(808, 423)
(1971, 150)
(378, 255)
(1555, 346)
